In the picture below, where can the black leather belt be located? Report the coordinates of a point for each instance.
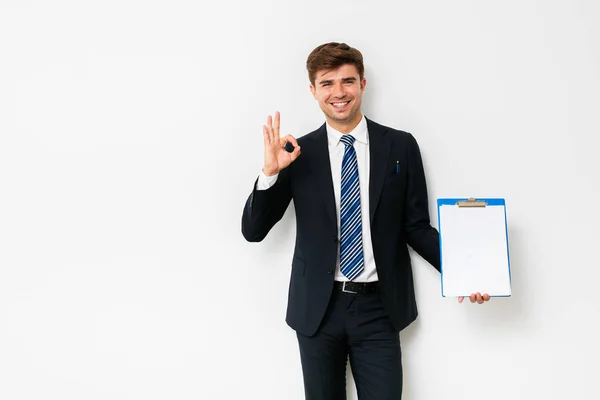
(357, 287)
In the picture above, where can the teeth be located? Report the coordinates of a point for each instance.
(340, 104)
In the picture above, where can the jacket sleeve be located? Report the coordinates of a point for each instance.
(264, 208)
(420, 235)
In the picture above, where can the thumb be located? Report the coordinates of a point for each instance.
(296, 153)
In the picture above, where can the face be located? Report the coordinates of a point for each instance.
(339, 93)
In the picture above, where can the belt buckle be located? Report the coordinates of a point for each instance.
(347, 291)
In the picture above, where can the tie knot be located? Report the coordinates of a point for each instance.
(348, 140)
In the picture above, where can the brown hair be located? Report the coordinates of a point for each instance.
(333, 55)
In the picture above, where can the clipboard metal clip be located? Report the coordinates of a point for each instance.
(471, 202)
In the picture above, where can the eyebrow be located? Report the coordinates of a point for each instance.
(349, 79)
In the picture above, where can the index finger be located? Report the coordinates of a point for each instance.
(291, 139)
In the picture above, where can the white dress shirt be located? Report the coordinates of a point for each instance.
(336, 155)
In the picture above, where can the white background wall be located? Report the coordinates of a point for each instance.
(130, 136)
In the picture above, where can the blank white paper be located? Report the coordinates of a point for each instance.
(474, 251)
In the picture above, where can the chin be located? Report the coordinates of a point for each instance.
(346, 117)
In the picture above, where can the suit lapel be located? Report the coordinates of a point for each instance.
(323, 163)
(379, 152)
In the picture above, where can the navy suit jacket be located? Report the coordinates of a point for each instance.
(399, 216)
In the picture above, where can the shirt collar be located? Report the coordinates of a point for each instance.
(359, 133)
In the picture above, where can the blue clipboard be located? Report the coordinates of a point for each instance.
(474, 251)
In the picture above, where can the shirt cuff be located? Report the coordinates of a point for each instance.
(265, 182)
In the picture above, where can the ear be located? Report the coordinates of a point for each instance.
(363, 85)
(313, 90)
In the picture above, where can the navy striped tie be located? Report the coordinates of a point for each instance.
(351, 246)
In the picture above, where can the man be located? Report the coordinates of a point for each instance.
(360, 197)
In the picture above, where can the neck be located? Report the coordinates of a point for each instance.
(345, 126)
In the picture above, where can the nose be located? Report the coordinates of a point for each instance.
(338, 91)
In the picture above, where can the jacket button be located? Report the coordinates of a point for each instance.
(330, 271)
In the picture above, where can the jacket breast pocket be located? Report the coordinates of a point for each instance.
(395, 182)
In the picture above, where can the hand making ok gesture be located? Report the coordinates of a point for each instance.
(276, 157)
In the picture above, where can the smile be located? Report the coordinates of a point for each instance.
(340, 105)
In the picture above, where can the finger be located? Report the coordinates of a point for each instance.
(291, 139)
(479, 298)
(276, 125)
(270, 127)
(486, 297)
(473, 297)
(460, 299)
(296, 153)
(266, 135)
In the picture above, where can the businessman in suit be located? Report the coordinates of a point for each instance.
(360, 198)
